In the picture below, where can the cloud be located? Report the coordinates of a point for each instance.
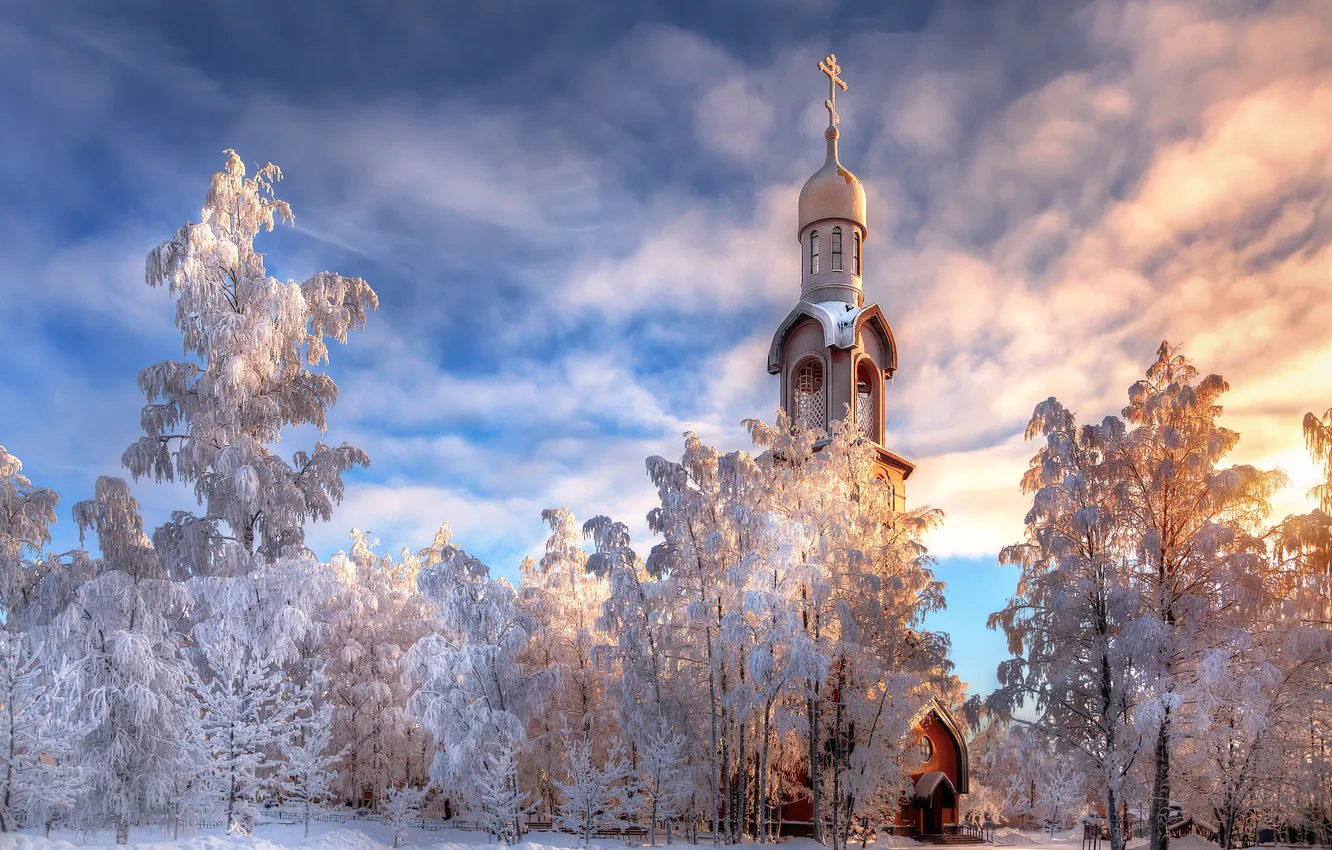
(582, 250)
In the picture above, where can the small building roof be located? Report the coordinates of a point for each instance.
(927, 784)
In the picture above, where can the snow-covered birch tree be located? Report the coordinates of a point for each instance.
(471, 694)
(1066, 621)
(374, 616)
(1195, 557)
(253, 345)
(27, 513)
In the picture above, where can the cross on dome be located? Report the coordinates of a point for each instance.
(829, 66)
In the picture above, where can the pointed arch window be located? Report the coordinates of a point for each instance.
(809, 395)
(867, 405)
(855, 253)
(813, 252)
(837, 249)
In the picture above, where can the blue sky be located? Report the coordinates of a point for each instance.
(579, 219)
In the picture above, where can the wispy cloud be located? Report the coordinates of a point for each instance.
(582, 248)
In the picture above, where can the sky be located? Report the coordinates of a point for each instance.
(580, 221)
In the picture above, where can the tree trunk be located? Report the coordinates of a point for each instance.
(1112, 818)
(815, 766)
(836, 770)
(517, 825)
(761, 816)
(1109, 723)
(712, 751)
(1159, 838)
(5, 825)
(741, 774)
(122, 833)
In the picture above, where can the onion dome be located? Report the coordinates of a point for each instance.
(832, 192)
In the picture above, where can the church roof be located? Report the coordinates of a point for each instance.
(841, 323)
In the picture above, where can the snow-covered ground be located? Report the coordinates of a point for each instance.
(371, 835)
(367, 835)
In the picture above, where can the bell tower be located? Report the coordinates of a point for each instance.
(833, 352)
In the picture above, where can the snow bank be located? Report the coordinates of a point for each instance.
(198, 842)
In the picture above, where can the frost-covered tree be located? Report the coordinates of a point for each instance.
(863, 586)
(1318, 437)
(663, 778)
(27, 513)
(118, 635)
(1027, 760)
(564, 600)
(1304, 553)
(797, 598)
(1066, 621)
(374, 616)
(248, 710)
(33, 694)
(701, 551)
(1061, 790)
(598, 794)
(401, 804)
(472, 695)
(308, 774)
(988, 748)
(1193, 550)
(251, 672)
(505, 804)
(252, 346)
(38, 779)
(633, 617)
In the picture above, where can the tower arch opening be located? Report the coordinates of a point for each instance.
(809, 394)
(867, 399)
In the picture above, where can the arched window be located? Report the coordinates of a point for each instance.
(855, 253)
(808, 395)
(837, 249)
(813, 252)
(867, 408)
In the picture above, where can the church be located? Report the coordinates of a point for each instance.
(834, 354)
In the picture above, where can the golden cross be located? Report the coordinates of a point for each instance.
(830, 67)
